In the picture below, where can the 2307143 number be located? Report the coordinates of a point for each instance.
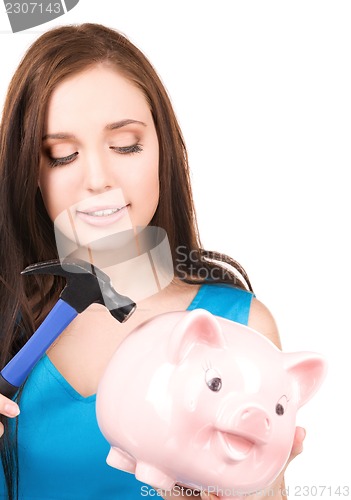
(321, 491)
(33, 8)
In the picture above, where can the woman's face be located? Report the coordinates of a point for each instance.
(100, 155)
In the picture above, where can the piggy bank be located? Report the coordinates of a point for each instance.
(200, 401)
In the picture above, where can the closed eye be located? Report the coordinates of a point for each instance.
(59, 162)
(134, 148)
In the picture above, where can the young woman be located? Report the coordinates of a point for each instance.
(88, 130)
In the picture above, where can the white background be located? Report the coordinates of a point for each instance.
(262, 90)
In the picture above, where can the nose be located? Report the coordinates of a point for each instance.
(255, 423)
(98, 174)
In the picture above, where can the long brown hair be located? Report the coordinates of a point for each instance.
(27, 234)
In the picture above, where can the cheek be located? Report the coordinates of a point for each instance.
(152, 189)
(154, 174)
(144, 184)
(45, 187)
(56, 190)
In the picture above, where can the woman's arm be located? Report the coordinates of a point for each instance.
(261, 319)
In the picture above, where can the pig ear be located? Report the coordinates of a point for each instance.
(308, 370)
(197, 327)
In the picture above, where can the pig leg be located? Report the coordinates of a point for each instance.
(146, 473)
(120, 459)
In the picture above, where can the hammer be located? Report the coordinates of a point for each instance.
(85, 284)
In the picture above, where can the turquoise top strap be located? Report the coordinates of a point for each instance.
(225, 301)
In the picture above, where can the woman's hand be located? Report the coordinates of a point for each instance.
(8, 408)
(276, 491)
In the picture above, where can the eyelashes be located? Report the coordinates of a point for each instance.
(58, 162)
(65, 160)
(135, 148)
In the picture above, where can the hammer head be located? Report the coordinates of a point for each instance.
(85, 284)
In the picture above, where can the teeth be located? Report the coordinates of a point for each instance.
(103, 213)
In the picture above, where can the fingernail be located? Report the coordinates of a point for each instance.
(12, 410)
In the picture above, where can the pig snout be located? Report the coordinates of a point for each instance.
(254, 424)
(240, 431)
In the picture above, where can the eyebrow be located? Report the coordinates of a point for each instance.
(110, 126)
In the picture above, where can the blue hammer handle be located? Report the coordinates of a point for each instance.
(17, 370)
(80, 276)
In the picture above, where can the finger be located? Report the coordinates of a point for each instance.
(8, 407)
(1, 429)
(300, 434)
(297, 446)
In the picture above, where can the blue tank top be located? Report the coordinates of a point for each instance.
(62, 453)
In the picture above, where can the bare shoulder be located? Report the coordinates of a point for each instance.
(261, 320)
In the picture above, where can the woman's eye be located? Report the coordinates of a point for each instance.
(125, 150)
(58, 162)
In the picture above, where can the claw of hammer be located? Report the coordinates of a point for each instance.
(85, 285)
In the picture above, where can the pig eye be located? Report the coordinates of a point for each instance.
(281, 405)
(213, 380)
(279, 409)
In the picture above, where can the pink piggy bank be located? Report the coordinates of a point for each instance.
(197, 400)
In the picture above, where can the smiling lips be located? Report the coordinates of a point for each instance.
(101, 216)
(103, 213)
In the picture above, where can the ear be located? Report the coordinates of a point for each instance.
(308, 371)
(197, 327)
